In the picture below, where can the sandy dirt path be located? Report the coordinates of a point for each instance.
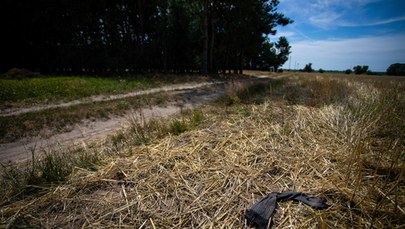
(179, 97)
(99, 98)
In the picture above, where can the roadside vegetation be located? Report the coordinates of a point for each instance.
(338, 137)
(15, 93)
(48, 122)
(38, 91)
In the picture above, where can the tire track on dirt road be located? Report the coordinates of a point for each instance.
(100, 98)
(179, 97)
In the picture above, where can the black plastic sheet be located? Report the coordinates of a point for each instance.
(260, 213)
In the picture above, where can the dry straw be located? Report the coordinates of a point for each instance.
(209, 177)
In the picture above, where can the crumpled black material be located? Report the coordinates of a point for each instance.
(259, 215)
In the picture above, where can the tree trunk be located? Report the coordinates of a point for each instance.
(235, 63)
(212, 39)
(240, 62)
(164, 41)
(205, 38)
(141, 25)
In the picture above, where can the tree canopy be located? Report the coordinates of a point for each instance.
(360, 69)
(141, 35)
(308, 68)
(396, 69)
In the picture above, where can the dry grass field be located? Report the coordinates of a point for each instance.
(337, 137)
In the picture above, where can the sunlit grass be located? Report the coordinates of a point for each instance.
(31, 91)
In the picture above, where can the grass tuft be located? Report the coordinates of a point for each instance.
(53, 167)
(177, 127)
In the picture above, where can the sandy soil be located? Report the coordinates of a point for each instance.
(182, 96)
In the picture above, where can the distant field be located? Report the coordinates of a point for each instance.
(15, 93)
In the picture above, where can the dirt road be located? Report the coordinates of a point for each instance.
(99, 98)
(182, 96)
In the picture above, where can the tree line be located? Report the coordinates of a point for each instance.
(80, 36)
(396, 69)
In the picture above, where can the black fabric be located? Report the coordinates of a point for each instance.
(260, 213)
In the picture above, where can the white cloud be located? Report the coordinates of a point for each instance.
(286, 34)
(381, 22)
(322, 5)
(324, 20)
(330, 19)
(291, 32)
(377, 52)
(326, 14)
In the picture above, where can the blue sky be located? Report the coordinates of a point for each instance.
(339, 34)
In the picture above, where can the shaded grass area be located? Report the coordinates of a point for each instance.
(16, 93)
(341, 139)
(51, 89)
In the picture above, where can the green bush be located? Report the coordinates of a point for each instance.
(18, 73)
(360, 69)
(308, 68)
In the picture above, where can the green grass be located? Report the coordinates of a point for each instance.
(61, 119)
(42, 173)
(142, 132)
(178, 126)
(28, 91)
(14, 93)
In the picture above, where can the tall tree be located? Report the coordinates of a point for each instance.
(283, 48)
(308, 68)
(205, 54)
